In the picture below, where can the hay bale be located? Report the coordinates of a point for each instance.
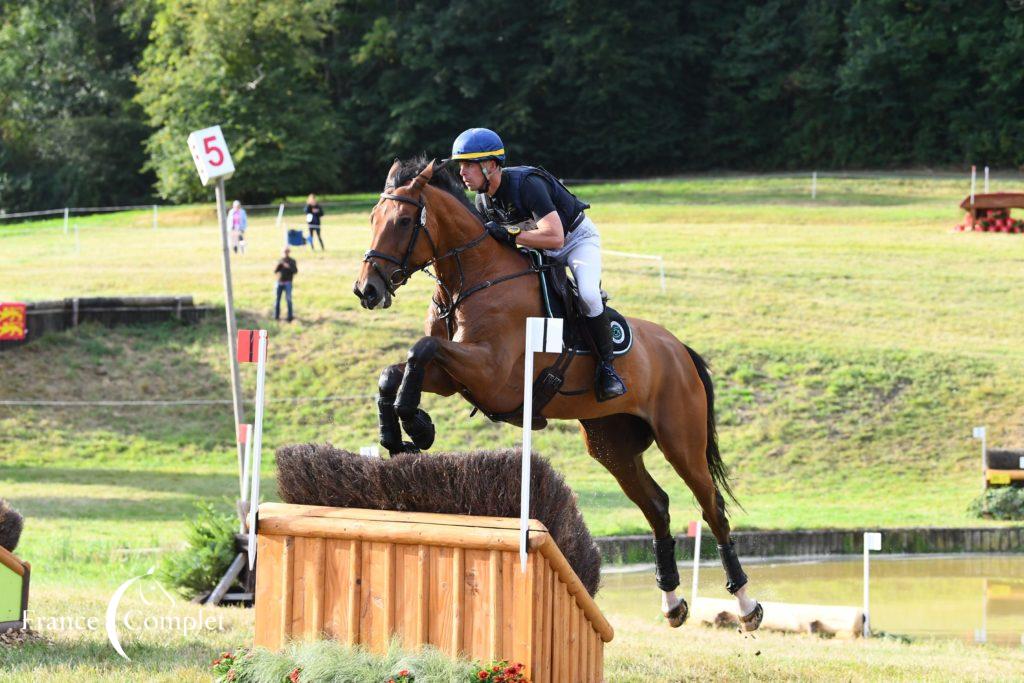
(484, 483)
(11, 524)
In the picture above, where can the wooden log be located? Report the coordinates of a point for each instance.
(841, 622)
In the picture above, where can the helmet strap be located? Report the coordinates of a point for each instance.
(487, 179)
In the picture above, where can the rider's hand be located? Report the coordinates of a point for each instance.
(499, 233)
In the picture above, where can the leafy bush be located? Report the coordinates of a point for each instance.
(1000, 503)
(327, 660)
(211, 540)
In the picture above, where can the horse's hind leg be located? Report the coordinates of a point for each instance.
(681, 430)
(618, 442)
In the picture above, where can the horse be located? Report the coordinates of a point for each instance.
(474, 345)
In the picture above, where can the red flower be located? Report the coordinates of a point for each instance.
(294, 676)
(483, 675)
(403, 672)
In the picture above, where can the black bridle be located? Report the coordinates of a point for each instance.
(446, 307)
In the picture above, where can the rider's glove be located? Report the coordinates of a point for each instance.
(500, 233)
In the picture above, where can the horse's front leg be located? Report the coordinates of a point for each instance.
(427, 368)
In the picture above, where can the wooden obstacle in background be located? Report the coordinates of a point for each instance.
(451, 581)
(14, 580)
(1003, 467)
(828, 620)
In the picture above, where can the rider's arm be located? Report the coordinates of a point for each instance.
(548, 235)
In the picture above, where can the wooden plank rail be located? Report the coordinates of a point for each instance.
(452, 581)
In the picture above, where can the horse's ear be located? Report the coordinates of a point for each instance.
(391, 173)
(424, 177)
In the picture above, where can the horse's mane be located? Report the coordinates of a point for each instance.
(444, 178)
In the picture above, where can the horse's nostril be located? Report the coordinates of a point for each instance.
(370, 293)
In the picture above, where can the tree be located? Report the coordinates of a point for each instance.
(253, 67)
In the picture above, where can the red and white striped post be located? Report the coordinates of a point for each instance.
(252, 348)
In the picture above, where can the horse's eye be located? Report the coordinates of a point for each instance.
(404, 222)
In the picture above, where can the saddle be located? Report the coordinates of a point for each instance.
(560, 299)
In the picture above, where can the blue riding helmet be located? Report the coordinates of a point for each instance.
(478, 144)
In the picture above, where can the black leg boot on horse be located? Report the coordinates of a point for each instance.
(415, 421)
(390, 432)
(666, 574)
(607, 383)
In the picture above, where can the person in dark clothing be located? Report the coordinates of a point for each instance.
(314, 212)
(527, 206)
(285, 270)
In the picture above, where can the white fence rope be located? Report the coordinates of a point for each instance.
(179, 402)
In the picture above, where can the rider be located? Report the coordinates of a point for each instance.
(519, 196)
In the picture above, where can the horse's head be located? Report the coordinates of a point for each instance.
(401, 243)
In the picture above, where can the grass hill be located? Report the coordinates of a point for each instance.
(854, 341)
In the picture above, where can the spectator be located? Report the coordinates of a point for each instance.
(286, 269)
(238, 221)
(314, 212)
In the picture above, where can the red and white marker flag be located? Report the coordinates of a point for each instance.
(691, 531)
(252, 348)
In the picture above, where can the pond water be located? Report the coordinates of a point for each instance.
(970, 597)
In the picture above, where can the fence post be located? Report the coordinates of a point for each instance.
(65, 220)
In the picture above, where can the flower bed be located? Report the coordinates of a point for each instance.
(991, 220)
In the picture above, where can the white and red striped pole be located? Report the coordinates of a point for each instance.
(252, 347)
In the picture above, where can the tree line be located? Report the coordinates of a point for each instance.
(97, 97)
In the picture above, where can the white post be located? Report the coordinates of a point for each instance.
(257, 445)
(814, 185)
(66, 210)
(986, 180)
(542, 335)
(154, 216)
(974, 180)
(696, 565)
(872, 541)
(661, 265)
(280, 214)
(229, 315)
(979, 433)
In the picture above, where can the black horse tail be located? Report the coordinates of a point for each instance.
(719, 472)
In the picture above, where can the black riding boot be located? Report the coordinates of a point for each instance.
(607, 383)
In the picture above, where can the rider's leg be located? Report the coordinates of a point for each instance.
(584, 260)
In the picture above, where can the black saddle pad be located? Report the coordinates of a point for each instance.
(553, 304)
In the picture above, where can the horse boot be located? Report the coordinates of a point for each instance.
(666, 575)
(390, 432)
(607, 383)
(415, 421)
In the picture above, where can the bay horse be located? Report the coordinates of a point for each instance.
(474, 345)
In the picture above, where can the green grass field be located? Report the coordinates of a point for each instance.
(854, 340)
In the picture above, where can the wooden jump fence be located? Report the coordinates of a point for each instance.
(451, 581)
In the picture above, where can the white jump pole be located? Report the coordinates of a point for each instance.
(66, 211)
(814, 185)
(986, 180)
(257, 445)
(872, 541)
(974, 181)
(280, 214)
(542, 335)
(245, 436)
(696, 561)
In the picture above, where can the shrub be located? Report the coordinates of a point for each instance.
(211, 540)
(1000, 503)
(11, 524)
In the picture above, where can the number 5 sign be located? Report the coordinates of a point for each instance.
(210, 152)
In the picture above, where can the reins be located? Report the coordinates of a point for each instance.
(449, 304)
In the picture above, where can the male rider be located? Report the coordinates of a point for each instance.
(518, 196)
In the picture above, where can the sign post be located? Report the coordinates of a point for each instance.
(543, 335)
(213, 162)
(872, 541)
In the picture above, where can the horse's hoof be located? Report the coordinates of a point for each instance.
(753, 620)
(678, 614)
(406, 447)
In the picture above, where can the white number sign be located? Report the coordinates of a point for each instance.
(210, 152)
